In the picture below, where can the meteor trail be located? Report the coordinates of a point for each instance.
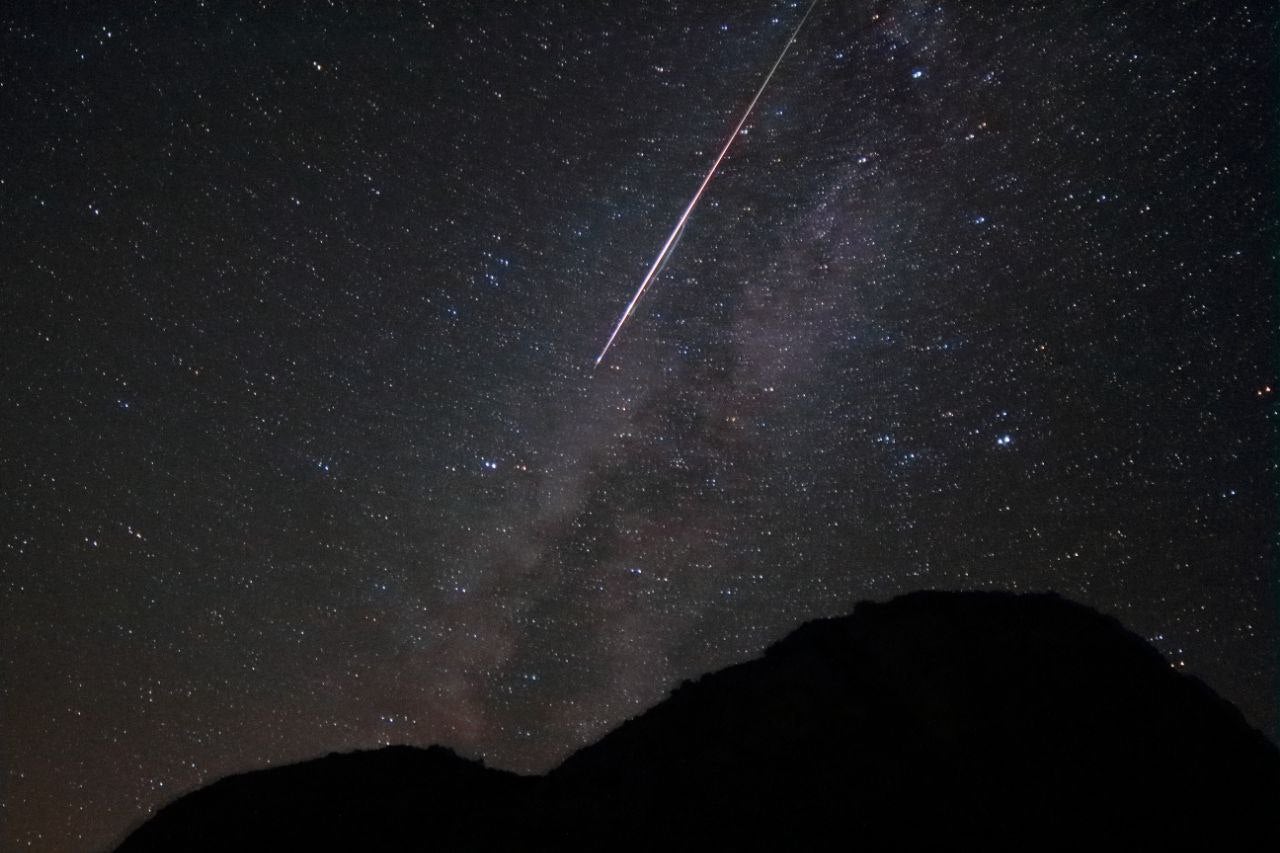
(668, 247)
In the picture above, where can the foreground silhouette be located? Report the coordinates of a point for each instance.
(964, 720)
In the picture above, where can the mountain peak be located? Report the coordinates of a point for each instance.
(979, 718)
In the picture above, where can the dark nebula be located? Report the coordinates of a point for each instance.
(301, 449)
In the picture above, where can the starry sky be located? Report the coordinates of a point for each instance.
(301, 448)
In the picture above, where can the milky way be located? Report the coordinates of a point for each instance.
(301, 450)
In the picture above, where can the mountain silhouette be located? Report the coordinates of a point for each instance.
(957, 720)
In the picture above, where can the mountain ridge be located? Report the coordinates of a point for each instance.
(978, 718)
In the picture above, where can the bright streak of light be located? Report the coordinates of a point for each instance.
(667, 247)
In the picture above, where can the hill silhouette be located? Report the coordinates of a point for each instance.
(984, 720)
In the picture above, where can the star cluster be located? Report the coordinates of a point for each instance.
(301, 447)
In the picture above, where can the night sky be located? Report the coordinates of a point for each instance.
(301, 448)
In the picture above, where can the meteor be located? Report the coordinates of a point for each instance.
(669, 247)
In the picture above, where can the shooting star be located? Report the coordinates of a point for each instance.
(668, 248)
